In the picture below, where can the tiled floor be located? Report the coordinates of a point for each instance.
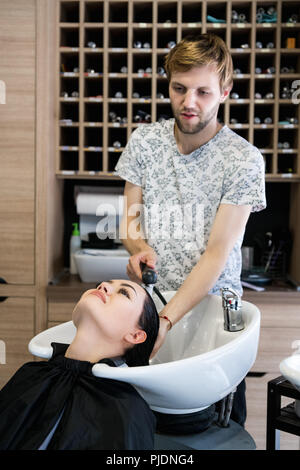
(256, 395)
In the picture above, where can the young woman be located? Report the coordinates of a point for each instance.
(59, 404)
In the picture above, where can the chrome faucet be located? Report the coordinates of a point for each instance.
(232, 308)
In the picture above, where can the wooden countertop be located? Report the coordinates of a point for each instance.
(68, 287)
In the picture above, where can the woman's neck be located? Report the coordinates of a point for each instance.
(87, 346)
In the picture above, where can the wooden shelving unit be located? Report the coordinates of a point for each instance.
(98, 58)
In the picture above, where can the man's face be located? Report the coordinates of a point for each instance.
(195, 98)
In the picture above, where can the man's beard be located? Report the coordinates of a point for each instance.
(197, 127)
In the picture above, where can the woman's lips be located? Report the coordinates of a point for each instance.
(100, 295)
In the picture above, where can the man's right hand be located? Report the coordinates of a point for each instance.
(134, 271)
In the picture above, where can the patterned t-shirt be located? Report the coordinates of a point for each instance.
(182, 193)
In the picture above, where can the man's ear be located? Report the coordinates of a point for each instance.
(225, 94)
(139, 336)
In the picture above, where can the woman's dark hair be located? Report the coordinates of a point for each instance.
(139, 355)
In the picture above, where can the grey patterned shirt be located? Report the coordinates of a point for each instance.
(182, 193)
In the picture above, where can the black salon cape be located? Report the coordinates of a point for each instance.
(99, 414)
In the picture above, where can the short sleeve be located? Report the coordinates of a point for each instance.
(129, 166)
(244, 181)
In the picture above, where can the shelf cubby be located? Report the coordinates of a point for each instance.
(167, 12)
(93, 63)
(118, 12)
(141, 62)
(290, 38)
(142, 12)
(69, 36)
(93, 113)
(93, 38)
(166, 38)
(69, 112)
(241, 63)
(69, 161)
(117, 64)
(239, 114)
(163, 111)
(191, 12)
(93, 87)
(117, 37)
(93, 162)
(264, 139)
(93, 12)
(263, 115)
(69, 12)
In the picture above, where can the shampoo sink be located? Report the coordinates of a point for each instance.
(198, 365)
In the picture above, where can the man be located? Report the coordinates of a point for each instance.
(195, 169)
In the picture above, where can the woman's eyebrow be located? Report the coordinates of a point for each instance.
(128, 285)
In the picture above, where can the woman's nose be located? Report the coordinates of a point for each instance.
(106, 287)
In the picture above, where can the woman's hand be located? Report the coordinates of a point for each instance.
(164, 327)
(147, 257)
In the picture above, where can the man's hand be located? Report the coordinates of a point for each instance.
(147, 257)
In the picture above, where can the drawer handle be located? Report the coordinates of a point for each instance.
(2, 281)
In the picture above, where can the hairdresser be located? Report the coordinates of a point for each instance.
(193, 183)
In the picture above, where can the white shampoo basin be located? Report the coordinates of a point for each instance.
(198, 365)
(99, 265)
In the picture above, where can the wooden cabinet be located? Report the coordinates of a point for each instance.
(16, 330)
(60, 311)
(17, 183)
(280, 326)
(24, 179)
(17, 150)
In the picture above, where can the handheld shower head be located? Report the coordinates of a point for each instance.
(149, 278)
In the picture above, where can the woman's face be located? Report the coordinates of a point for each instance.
(115, 306)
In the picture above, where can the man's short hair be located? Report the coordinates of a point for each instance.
(202, 49)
